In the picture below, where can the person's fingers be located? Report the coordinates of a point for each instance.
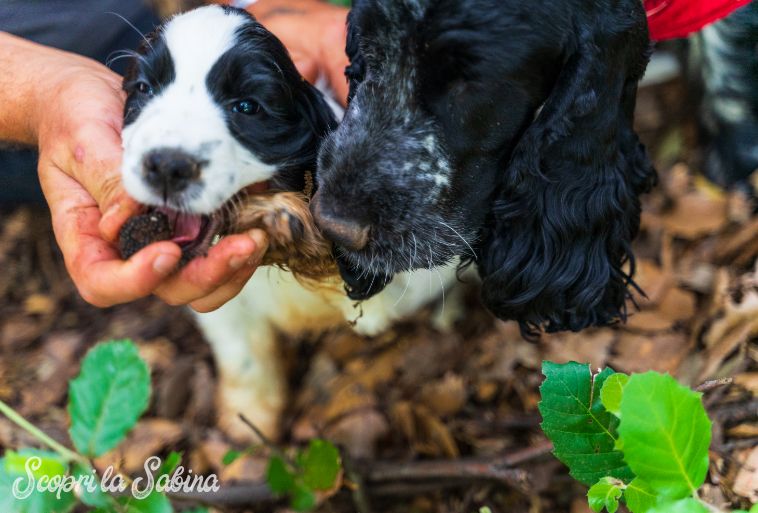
(306, 65)
(100, 275)
(223, 294)
(339, 84)
(203, 276)
(115, 215)
(103, 279)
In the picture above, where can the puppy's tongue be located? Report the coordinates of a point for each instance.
(186, 226)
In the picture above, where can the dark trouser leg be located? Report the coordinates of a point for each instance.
(81, 26)
(726, 56)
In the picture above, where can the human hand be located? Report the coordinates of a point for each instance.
(314, 33)
(78, 127)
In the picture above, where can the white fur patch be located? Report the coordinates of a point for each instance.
(185, 116)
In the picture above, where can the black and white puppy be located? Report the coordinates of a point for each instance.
(215, 105)
(499, 131)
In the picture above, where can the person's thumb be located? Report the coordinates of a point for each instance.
(97, 167)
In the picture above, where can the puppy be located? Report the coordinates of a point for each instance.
(499, 131)
(216, 106)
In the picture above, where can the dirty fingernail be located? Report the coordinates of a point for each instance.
(237, 262)
(164, 264)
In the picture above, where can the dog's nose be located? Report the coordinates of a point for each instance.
(170, 170)
(345, 232)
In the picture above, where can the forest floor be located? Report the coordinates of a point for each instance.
(433, 422)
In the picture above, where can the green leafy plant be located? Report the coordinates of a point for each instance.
(314, 469)
(641, 439)
(106, 399)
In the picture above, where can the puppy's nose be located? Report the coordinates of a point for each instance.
(170, 170)
(345, 232)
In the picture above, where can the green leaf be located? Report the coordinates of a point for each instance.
(169, 465)
(230, 457)
(46, 463)
(108, 396)
(485, 509)
(582, 431)
(754, 509)
(278, 476)
(302, 499)
(36, 502)
(688, 505)
(610, 395)
(321, 465)
(605, 494)
(639, 497)
(153, 503)
(96, 498)
(665, 433)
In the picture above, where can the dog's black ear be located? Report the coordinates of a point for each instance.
(563, 221)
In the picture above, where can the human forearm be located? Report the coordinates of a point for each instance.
(31, 74)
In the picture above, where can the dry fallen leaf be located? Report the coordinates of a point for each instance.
(444, 397)
(696, 214)
(659, 352)
(590, 346)
(359, 433)
(746, 482)
(748, 381)
(677, 305)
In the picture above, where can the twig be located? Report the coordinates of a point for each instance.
(391, 478)
(450, 470)
(360, 499)
(714, 383)
(37, 433)
(530, 453)
(265, 441)
(238, 495)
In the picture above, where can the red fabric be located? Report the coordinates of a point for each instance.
(669, 19)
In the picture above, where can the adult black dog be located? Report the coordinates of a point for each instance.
(497, 130)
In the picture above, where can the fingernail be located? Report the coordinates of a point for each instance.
(260, 238)
(237, 262)
(164, 264)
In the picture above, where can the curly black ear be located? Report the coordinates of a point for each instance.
(562, 225)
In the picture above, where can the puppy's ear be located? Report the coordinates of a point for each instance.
(563, 221)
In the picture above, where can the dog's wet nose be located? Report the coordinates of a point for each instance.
(346, 232)
(170, 170)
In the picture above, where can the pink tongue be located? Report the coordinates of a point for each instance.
(186, 227)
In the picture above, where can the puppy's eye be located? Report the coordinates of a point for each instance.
(247, 107)
(145, 88)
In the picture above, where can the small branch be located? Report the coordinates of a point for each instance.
(37, 433)
(448, 470)
(360, 499)
(242, 494)
(265, 441)
(714, 383)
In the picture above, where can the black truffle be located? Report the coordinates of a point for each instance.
(141, 231)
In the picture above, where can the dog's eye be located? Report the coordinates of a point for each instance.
(145, 88)
(247, 107)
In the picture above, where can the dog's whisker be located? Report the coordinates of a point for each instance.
(144, 38)
(473, 253)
